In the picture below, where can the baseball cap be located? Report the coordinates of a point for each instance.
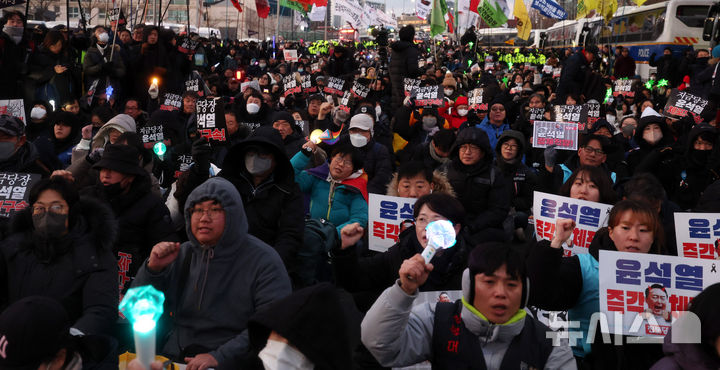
(32, 330)
(362, 121)
(11, 125)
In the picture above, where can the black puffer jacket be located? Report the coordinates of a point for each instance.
(79, 270)
(648, 157)
(274, 208)
(693, 171)
(481, 187)
(143, 221)
(523, 180)
(403, 64)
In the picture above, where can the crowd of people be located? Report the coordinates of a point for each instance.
(258, 238)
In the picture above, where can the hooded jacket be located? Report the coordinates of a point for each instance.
(523, 179)
(481, 187)
(210, 296)
(403, 64)
(400, 334)
(79, 270)
(693, 171)
(341, 203)
(648, 157)
(273, 207)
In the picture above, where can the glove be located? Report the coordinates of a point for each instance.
(550, 154)
(153, 91)
(201, 152)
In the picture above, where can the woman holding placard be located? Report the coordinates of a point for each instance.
(572, 283)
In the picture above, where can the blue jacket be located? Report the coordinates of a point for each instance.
(493, 132)
(346, 204)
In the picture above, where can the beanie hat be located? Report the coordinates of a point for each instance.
(449, 81)
(461, 100)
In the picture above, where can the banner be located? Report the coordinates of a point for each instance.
(680, 104)
(15, 191)
(211, 120)
(564, 135)
(350, 10)
(589, 217)
(385, 214)
(550, 9)
(698, 235)
(646, 289)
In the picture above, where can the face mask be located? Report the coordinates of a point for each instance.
(15, 33)
(50, 225)
(282, 100)
(429, 123)
(278, 355)
(358, 140)
(610, 118)
(7, 149)
(37, 113)
(448, 92)
(256, 164)
(103, 38)
(700, 156)
(628, 130)
(262, 65)
(301, 70)
(378, 111)
(462, 112)
(253, 108)
(113, 190)
(652, 137)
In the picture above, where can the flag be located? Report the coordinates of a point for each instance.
(317, 14)
(236, 5)
(491, 12)
(524, 26)
(295, 5)
(584, 7)
(437, 17)
(263, 8)
(510, 42)
(607, 9)
(550, 9)
(639, 2)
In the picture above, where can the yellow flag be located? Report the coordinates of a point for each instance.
(639, 2)
(584, 7)
(524, 26)
(606, 9)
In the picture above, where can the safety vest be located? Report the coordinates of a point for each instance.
(457, 348)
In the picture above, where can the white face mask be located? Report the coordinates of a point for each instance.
(448, 92)
(429, 123)
(358, 140)
(256, 164)
(378, 111)
(281, 356)
(253, 108)
(652, 136)
(37, 113)
(103, 37)
(610, 118)
(462, 112)
(262, 65)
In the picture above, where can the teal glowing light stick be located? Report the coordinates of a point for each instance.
(143, 306)
(159, 149)
(440, 235)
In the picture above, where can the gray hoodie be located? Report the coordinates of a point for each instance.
(225, 284)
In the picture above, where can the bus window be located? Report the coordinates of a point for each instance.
(692, 15)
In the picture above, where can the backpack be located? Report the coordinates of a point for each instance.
(313, 260)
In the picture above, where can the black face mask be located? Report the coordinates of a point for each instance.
(113, 190)
(50, 225)
(700, 156)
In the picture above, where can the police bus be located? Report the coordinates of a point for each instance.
(644, 30)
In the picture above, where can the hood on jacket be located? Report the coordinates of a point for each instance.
(296, 318)
(236, 223)
(651, 116)
(265, 137)
(690, 152)
(471, 135)
(441, 182)
(507, 135)
(121, 122)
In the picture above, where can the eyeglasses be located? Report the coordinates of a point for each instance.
(509, 146)
(344, 162)
(469, 148)
(57, 208)
(591, 150)
(210, 212)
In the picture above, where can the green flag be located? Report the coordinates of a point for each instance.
(491, 13)
(437, 17)
(293, 5)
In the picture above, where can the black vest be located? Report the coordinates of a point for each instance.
(455, 347)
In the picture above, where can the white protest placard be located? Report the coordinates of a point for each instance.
(647, 290)
(477, 100)
(697, 235)
(14, 108)
(564, 135)
(385, 213)
(422, 9)
(410, 84)
(290, 55)
(623, 87)
(588, 217)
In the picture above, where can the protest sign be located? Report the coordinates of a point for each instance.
(623, 87)
(489, 66)
(556, 72)
(646, 289)
(290, 85)
(428, 96)
(192, 84)
(188, 45)
(385, 214)
(346, 102)
(335, 86)
(211, 120)
(113, 14)
(568, 113)
(410, 84)
(698, 235)
(422, 9)
(91, 91)
(477, 100)
(307, 85)
(171, 102)
(564, 135)
(536, 114)
(254, 84)
(547, 69)
(290, 55)
(15, 191)
(589, 217)
(183, 163)
(151, 134)
(680, 104)
(589, 114)
(315, 67)
(14, 108)
(360, 88)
